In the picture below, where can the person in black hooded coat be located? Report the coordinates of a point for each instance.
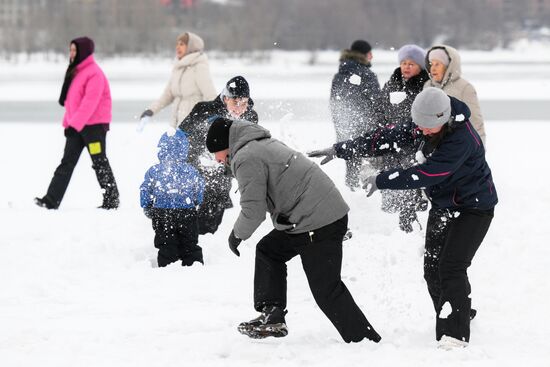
(394, 107)
(354, 91)
(233, 102)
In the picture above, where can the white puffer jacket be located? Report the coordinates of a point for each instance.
(189, 83)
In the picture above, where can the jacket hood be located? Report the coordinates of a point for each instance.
(454, 69)
(359, 57)
(84, 48)
(173, 145)
(195, 44)
(241, 132)
(459, 111)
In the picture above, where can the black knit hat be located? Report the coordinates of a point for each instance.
(217, 138)
(361, 46)
(236, 87)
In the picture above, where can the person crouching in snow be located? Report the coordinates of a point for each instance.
(459, 184)
(310, 220)
(170, 194)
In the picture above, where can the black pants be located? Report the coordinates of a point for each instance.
(176, 236)
(216, 200)
(321, 254)
(452, 239)
(93, 138)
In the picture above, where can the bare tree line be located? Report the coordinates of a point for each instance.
(149, 27)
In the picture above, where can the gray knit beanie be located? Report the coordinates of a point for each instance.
(431, 108)
(414, 53)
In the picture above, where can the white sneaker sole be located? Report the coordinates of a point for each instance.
(450, 343)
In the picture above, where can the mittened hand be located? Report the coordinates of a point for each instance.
(146, 113)
(369, 185)
(234, 242)
(328, 153)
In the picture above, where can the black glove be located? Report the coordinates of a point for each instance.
(369, 185)
(234, 242)
(328, 153)
(147, 113)
(147, 212)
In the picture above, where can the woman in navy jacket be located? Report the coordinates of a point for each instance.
(456, 178)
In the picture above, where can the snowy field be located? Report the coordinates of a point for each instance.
(77, 285)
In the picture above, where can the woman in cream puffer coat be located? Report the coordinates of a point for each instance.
(190, 81)
(449, 79)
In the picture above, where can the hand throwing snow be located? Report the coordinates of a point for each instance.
(369, 185)
(328, 153)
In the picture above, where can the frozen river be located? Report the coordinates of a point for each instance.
(268, 109)
(511, 85)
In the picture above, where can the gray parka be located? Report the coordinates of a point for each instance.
(274, 178)
(455, 86)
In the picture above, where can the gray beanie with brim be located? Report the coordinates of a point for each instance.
(431, 108)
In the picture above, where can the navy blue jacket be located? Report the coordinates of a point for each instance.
(173, 183)
(455, 174)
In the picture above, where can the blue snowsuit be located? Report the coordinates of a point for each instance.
(170, 194)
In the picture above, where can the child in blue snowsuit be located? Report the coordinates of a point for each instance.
(170, 194)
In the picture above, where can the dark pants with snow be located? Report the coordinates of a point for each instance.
(321, 254)
(176, 236)
(216, 200)
(452, 239)
(93, 138)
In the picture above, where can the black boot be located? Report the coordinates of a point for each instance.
(271, 322)
(46, 202)
(110, 203)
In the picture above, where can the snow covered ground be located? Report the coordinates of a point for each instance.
(78, 288)
(77, 285)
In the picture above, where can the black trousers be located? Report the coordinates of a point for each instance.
(176, 236)
(452, 239)
(321, 255)
(93, 138)
(216, 200)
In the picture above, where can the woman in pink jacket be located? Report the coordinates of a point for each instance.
(87, 100)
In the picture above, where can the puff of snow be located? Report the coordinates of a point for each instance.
(171, 131)
(459, 117)
(397, 97)
(355, 79)
(393, 175)
(446, 310)
(419, 156)
(415, 177)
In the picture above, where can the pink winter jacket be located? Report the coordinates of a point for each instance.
(89, 97)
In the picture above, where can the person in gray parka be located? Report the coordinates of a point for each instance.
(310, 220)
